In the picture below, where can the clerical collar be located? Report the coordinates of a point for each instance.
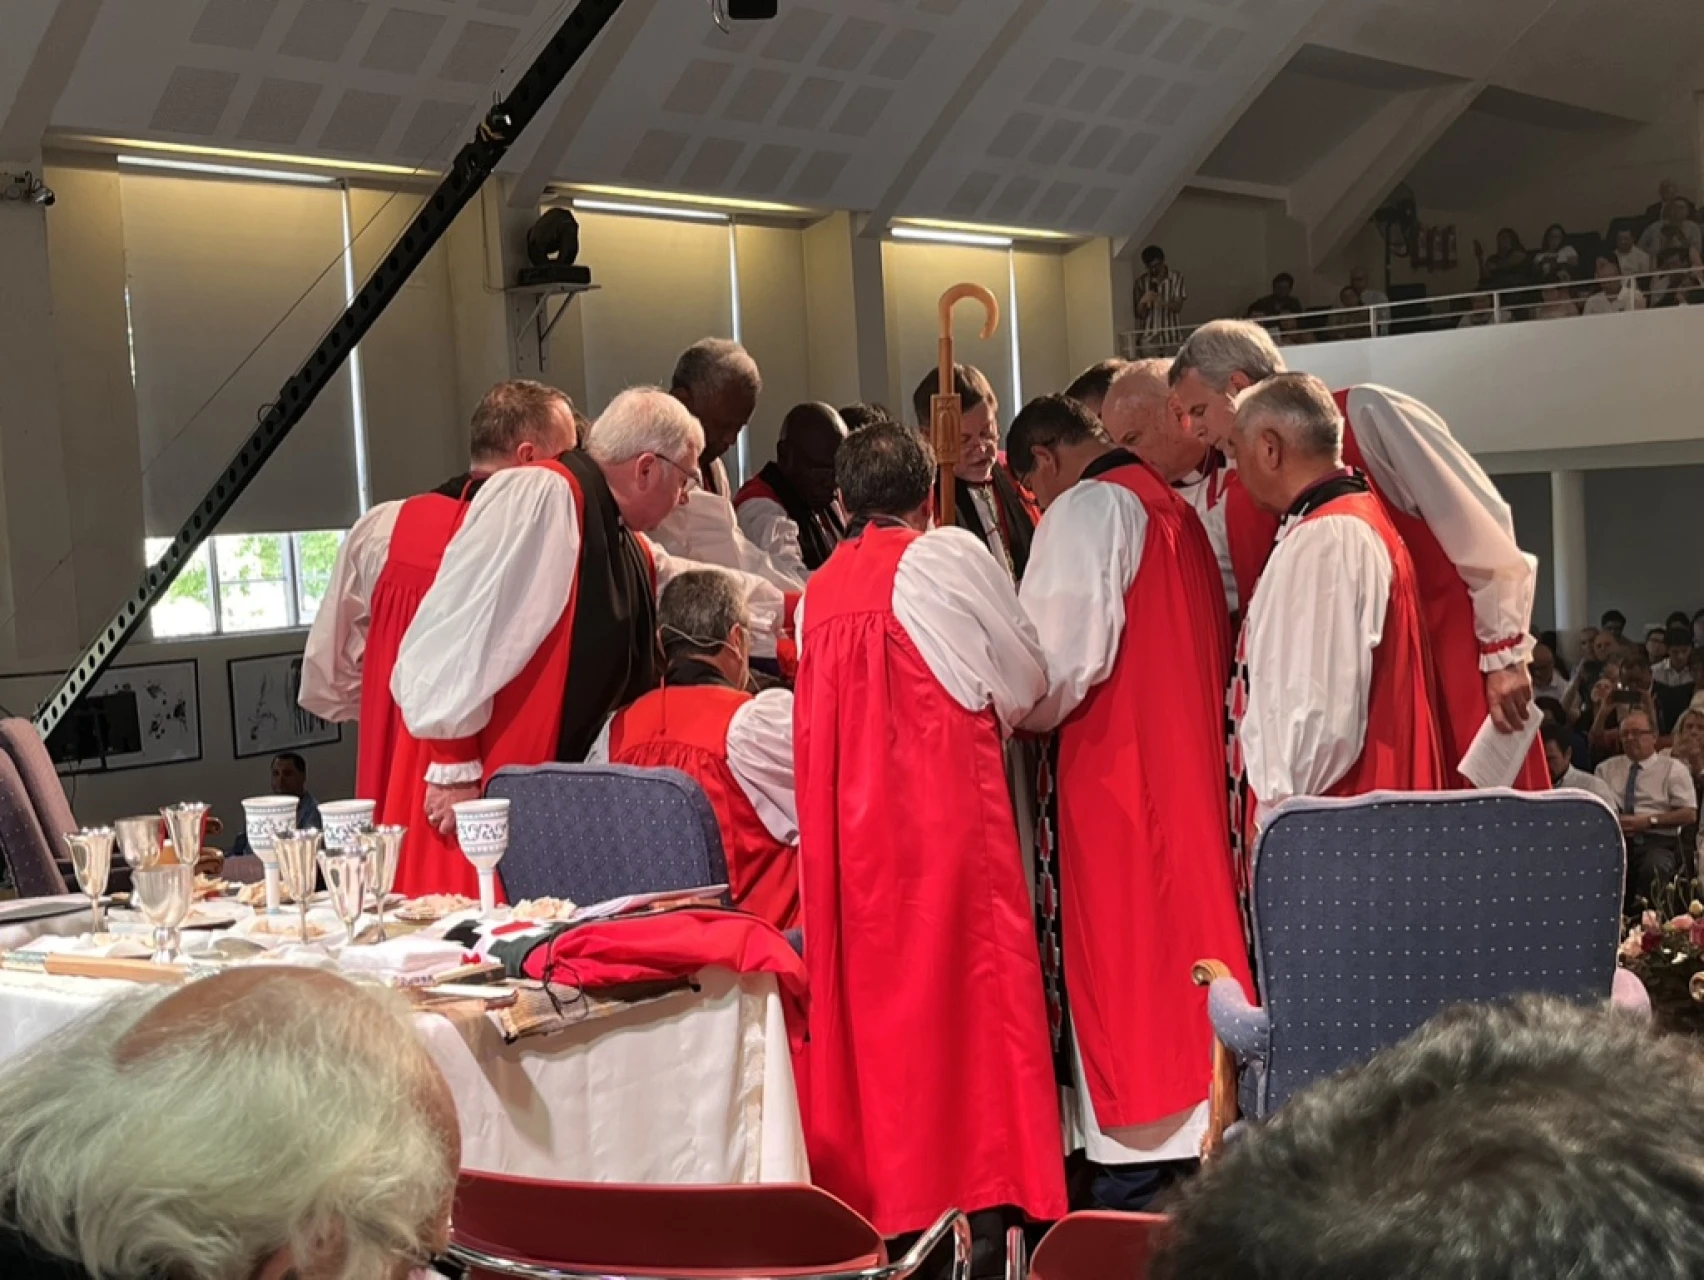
(1211, 472)
(860, 523)
(689, 671)
(1111, 460)
(1339, 483)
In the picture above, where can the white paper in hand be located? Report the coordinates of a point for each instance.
(1494, 758)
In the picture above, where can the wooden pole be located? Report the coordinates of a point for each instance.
(945, 412)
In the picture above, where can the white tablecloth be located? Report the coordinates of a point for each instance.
(696, 1087)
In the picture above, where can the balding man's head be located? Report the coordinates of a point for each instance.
(1141, 414)
(336, 1156)
(810, 437)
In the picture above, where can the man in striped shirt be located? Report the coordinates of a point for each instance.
(1160, 295)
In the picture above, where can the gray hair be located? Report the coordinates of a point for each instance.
(1221, 348)
(644, 420)
(294, 1114)
(710, 364)
(698, 609)
(1300, 406)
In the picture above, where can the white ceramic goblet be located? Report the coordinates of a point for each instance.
(266, 817)
(482, 830)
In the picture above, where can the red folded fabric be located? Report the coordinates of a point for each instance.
(675, 944)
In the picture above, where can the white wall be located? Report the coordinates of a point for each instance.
(1642, 542)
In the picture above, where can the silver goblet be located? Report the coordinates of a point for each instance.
(383, 849)
(183, 825)
(297, 851)
(139, 841)
(346, 885)
(91, 859)
(163, 894)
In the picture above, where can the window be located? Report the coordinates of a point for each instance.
(246, 582)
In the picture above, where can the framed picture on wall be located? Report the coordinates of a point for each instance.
(131, 718)
(265, 715)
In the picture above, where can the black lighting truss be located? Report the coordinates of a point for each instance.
(467, 173)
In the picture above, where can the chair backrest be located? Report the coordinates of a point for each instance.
(603, 1228)
(23, 844)
(1096, 1245)
(593, 832)
(19, 739)
(1372, 914)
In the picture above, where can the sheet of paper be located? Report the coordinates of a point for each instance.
(1493, 758)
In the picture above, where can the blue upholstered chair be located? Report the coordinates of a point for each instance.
(593, 832)
(1372, 914)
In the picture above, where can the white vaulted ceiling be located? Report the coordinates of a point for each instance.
(1075, 115)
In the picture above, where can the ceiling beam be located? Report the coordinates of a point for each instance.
(1175, 164)
(44, 81)
(1237, 187)
(1334, 198)
(574, 101)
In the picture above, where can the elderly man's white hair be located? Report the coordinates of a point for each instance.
(1300, 407)
(294, 1114)
(713, 363)
(644, 420)
(1221, 348)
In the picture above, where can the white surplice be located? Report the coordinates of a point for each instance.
(760, 756)
(337, 641)
(1313, 625)
(1422, 470)
(1204, 490)
(505, 580)
(769, 528)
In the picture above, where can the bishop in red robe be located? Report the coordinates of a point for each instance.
(738, 746)
(1335, 664)
(1476, 584)
(542, 617)
(383, 570)
(930, 1082)
(1125, 593)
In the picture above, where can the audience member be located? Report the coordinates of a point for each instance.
(1483, 310)
(1508, 266)
(1655, 797)
(1558, 298)
(1265, 319)
(1614, 622)
(1352, 320)
(1668, 191)
(1090, 386)
(1632, 260)
(1673, 679)
(1613, 292)
(1160, 295)
(1555, 254)
(1633, 692)
(289, 778)
(861, 415)
(1679, 285)
(1559, 755)
(1675, 227)
(1687, 747)
(1498, 1142)
(1377, 299)
(1656, 643)
(1547, 681)
(1282, 301)
(264, 1123)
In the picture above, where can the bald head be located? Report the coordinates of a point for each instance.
(810, 438)
(1139, 413)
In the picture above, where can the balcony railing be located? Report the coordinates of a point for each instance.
(1539, 301)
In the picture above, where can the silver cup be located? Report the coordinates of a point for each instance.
(163, 894)
(297, 851)
(139, 841)
(183, 824)
(383, 849)
(91, 859)
(346, 885)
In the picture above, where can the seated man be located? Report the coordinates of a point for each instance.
(1499, 1141)
(1559, 756)
(292, 1125)
(289, 778)
(739, 748)
(1655, 797)
(789, 508)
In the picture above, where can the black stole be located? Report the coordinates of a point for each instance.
(820, 531)
(612, 650)
(1015, 521)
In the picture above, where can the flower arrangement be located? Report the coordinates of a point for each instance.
(1664, 948)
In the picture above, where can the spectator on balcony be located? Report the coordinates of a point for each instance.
(1484, 310)
(1265, 319)
(1668, 191)
(1614, 292)
(1678, 284)
(1160, 295)
(1558, 298)
(1555, 254)
(1352, 319)
(1675, 227)
(1509, 266)
(1282, 301)
(1377, 299)
(1632, 260)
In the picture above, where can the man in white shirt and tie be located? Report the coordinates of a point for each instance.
(1655, 798)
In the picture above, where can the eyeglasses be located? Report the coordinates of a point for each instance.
(692, 482)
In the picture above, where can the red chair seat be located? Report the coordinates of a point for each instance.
(1096, 1245)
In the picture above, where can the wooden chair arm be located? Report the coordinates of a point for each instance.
(1222, 1092)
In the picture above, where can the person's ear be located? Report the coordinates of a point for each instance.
(1238, 383)
(526, 451)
